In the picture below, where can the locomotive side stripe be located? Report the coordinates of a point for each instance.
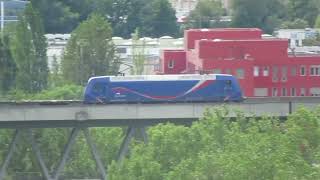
(199, 85)
(122, 89)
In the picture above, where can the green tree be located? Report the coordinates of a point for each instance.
(7, 64)
(55, 77)
(303, 9)
(264, 14)
(29, 52)
(138, 54)
(124, 15)
(57, 16)
(317, 23)
(40, 46)
(159, 19)
(129, 18)
(216, 147)
(119, 16)
(62, 16)
(83, 8)
(296, 24)
(90, 51)
(206, 14)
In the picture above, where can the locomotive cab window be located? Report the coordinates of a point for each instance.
(228, 82)
(99, 88)
(228, 88)
(228, 85)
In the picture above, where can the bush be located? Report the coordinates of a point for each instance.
(66, 92)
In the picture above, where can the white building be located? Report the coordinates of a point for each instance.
(146, 46)
(56, 46)
(295, 39)
(296, 36)
(149, 47)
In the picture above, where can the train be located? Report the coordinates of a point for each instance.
(162, 88)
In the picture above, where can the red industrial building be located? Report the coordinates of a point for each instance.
(262, 66)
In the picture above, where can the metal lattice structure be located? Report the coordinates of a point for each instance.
(26, 116)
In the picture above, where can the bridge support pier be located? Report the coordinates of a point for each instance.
(95, 153)
(37, 152)
(131, 131)
(11, 150)
(67, 148)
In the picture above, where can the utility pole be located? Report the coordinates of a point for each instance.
(2, 15)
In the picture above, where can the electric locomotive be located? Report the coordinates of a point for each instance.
(163, 88)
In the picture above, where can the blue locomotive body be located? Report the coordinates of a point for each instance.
(162, 88)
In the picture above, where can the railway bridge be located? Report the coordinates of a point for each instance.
(25, 116)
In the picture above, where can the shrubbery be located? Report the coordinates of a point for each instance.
(66, 92)
(212, 148)
(217, 148)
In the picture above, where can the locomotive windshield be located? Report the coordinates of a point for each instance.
(99, 89)
(228, 86)
(228, 83)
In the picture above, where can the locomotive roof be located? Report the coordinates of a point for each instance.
(162, 77)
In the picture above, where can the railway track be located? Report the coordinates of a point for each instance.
(248, 100)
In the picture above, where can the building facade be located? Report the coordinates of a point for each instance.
(262, 65)
(296, 36)
(150, 48)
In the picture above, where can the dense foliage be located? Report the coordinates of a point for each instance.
(272, 14)
(159, 19)
(207, 14)
(212, 148)
(304, 9)
(217, 148)
(138, 56)
(65, 92)
(63, 16)
(29, 52)
(265, 14)
(7, 65)
(90, 52)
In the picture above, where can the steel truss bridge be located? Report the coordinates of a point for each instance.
(25, 116)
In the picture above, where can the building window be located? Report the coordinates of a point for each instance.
(121, 50)
(284, 92)
(171, 64)
(240, 73)
(265, 71)
(293, 92)
(297, 42)
(262, 92)
(315, 91)
(274, 92)
(216, 71)
(227, 71)
(274, 74)
(284, 74)
(302, 92)
(302, 70)
(293, 71)
(315, 70)
(255, 71)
